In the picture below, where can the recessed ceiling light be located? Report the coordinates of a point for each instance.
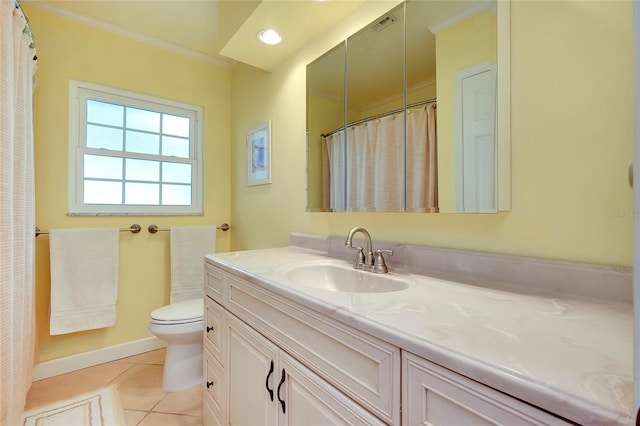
(269, 36)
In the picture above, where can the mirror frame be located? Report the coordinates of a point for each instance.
(503, 104)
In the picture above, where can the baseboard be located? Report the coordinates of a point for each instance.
(71, 363)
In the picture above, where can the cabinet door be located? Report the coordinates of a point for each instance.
(435, 396)
(306, 399)
(251, 368)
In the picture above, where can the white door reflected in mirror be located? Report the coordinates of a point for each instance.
(474, 139)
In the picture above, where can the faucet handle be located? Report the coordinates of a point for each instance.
(379, 265)
(359, 263)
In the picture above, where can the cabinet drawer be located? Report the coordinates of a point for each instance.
(213, 332)
(214, 387)
(214, 283)
(433, 395)
(363, 367)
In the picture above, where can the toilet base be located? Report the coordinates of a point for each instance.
(182, 367)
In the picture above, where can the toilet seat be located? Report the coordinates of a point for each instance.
(188, 311)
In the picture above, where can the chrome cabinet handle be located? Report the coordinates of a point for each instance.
(267, 381)
(284, 407)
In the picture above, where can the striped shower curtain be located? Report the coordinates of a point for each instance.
(372, 169)
(17, 322)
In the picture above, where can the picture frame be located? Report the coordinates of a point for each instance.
(259, 154)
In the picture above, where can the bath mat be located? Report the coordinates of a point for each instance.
(96, 408)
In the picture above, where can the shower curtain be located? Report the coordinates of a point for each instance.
(372, 169)
(17, 322)
(422, 160)
(375, 171)
(334, 172)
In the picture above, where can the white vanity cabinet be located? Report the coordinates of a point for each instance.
(318, 371)
(271, 360)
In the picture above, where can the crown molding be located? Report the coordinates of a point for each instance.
(467, 13)
(114, 29)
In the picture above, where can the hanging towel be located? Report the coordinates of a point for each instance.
(189, 245)
(84, 279)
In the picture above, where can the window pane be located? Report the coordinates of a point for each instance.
(174, 125)
(143, 170)
(104, 113)
(176, 173)
(101, 167)
(141, 119)
(176, 195)
(177, 147)
(101, 192)
(145, 143)
(104, 137)
(142, 193)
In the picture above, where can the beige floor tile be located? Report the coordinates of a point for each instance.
(162, 419)
(132, 417)
(140, 387)
(188, 402)
(74, 383)
(151, 357)
(138, 380)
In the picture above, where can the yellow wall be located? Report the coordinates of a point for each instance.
(460, 46)
(68, 50)
(571, 145)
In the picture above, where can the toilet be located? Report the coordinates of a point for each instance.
(181, 325)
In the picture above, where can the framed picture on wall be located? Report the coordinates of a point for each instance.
(259, 154)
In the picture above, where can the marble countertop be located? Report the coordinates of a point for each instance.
(570, 356)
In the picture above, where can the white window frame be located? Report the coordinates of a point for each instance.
(79, 92)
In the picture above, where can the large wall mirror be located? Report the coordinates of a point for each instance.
(411, 113)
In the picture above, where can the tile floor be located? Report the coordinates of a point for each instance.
(138, 380)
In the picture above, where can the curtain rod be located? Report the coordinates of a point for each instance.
(27, 28)
(373, 117)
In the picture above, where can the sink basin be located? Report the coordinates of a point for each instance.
(339, 277)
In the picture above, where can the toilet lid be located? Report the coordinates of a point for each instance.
(186, 311)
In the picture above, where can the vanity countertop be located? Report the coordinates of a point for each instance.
(570, 356)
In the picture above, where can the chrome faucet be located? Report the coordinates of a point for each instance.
(366, 260)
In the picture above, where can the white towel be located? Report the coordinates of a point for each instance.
(189, 245)
(84, 279)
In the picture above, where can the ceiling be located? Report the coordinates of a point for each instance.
(214, 30)
(385, 70)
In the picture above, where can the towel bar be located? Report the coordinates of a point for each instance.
(134, 229)
(154, 228)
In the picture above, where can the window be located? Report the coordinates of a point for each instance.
(132, 154)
